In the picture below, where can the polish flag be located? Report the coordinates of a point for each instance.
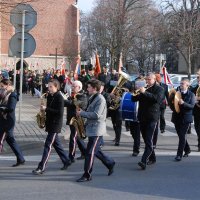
(120, 64)
(62, 70)
(167, 79)
(77, 69)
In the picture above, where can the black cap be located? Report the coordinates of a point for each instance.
(90, 67)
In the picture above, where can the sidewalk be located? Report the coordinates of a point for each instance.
(27, 129)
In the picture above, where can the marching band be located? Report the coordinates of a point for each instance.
(90, 101)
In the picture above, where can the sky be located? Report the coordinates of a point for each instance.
(85, 5)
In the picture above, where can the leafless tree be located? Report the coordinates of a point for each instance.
(182, 26)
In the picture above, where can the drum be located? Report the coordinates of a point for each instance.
(128, 108)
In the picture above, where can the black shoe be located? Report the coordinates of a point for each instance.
(82, 157)
(162, 131)
(178, 158)
(151, 162)
(111, 169)
(72, 160)
(135, 153)
(38, 171)
(65, 166)
(84, 179)
(187, 153)
(142, 165)
(116, 144)
(19, 163)
(198, 149)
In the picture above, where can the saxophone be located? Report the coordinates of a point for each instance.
(78, 121)
(198, 95)
(41, 116)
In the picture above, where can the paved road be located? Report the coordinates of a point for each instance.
(165, 180)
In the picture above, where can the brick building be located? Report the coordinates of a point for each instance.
(56, 33)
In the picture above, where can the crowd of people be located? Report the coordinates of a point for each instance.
(91, 97)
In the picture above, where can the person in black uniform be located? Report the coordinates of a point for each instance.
(196, 112)
(163, 103)
(8, 101)
(81, 97)
(105, 77)
(183, 119)
(135, 125)
(54, 120)
(148, 115)
(117, 123)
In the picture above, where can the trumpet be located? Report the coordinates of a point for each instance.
(137, 92)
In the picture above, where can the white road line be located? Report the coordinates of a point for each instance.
(55, 158)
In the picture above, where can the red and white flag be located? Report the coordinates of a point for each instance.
(120, 64)
(62, 69)
(77, 69)
(166, 77)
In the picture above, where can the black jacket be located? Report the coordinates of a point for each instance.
(149, 103)
(196, 110)
(165, 97)
(8, 123)
(185, 115)
(71, 108)
(54, 113)
(105, 79)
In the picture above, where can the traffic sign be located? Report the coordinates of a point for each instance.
(29, 45)
(30, 17)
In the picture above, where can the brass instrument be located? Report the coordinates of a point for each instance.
(118, 91)
(198, 95)
(78, 121)
(41, 116)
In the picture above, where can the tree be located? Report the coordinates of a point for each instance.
(116, 26)
(182, 18)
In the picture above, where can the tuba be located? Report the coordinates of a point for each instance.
(118, 91)
(198, 95)
(78, 122)
(41, 116)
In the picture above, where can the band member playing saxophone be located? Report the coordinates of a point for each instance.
(80, 97)
(8, 101)
(54, 120)
(95, 129)
(183, 119)
(148, 116)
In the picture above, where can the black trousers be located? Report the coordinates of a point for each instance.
(94, 149)
(53, 140)
(117, 124)
(197, 127)
(9, 138)
(182, 129)
(162, 119)
(135, 132)
(148, 130)
(74, 139)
